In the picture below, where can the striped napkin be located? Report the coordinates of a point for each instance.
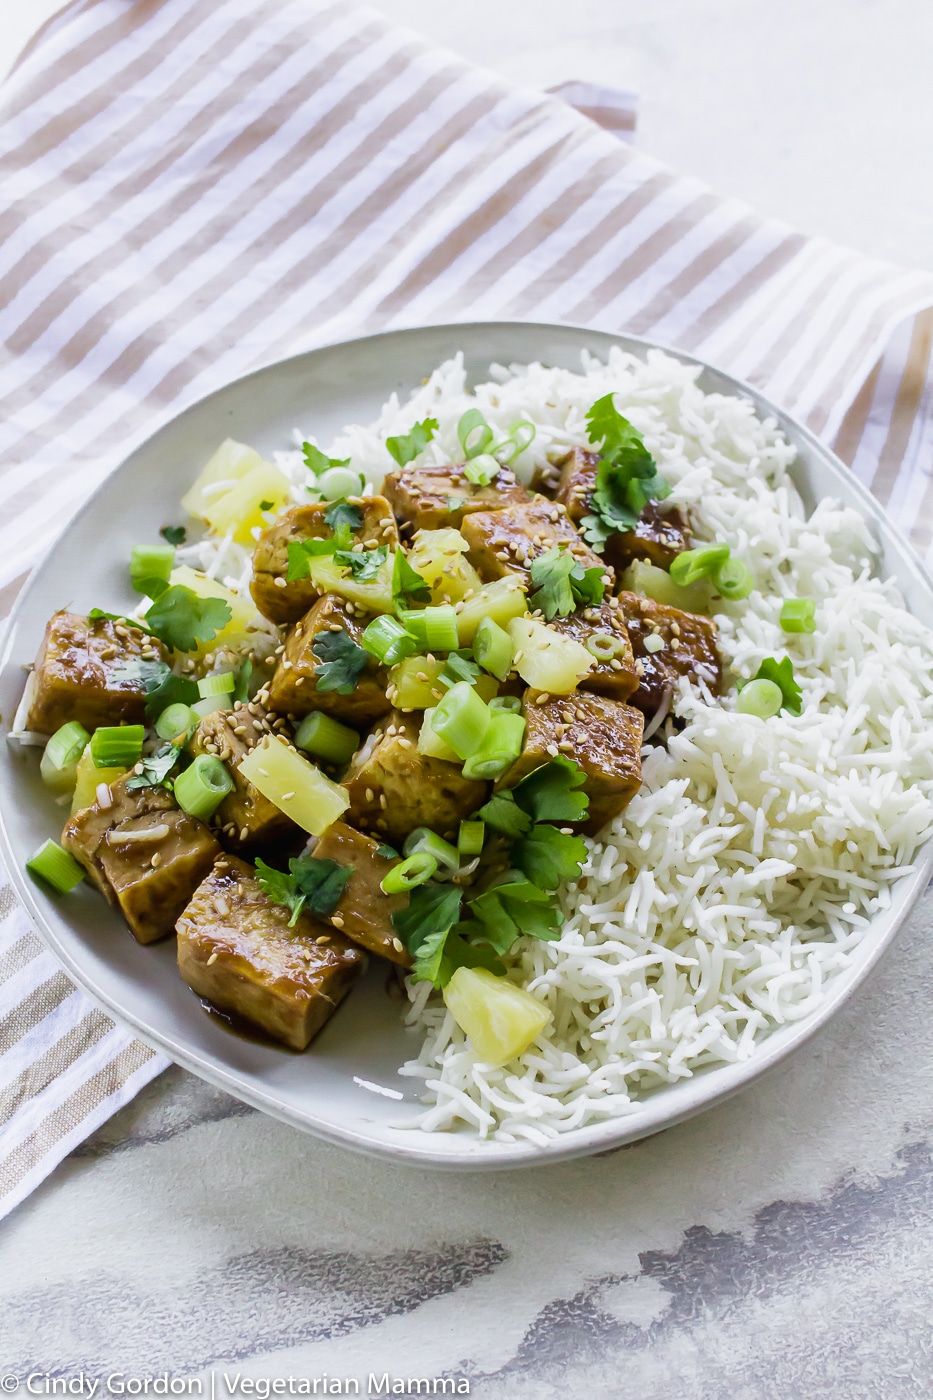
(197, 187)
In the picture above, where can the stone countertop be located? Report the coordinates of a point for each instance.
(778, 1246)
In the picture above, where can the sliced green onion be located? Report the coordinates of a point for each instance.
(327, 738)
(59, 762)
(433, 629)
(733, 580)
(481, 470)
(56, 867)
(500, 747)
(387, 640)
(461, 719)
(200, 790)
(604, 646)
(762, 698)
(493, 648)
(338, 482)
(474, 433)
(424, 839)
(520, 436)
(510, 703)
(151, 561)
(176, 722)
(413, 871)
(693, 564)
(471, 837)
(223, 683)
(211, 704)
(117, 746)
(798, 615)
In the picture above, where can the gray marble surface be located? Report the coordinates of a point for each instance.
(781, 1245)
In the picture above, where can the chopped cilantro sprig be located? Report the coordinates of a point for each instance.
(563, 584)
(341, 662)
(312, 884)
(627, 476)
(407, 446)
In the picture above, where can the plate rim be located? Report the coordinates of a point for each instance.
(711, 1086)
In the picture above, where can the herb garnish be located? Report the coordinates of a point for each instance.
(160, 685)
(156, 768)
(407, 446)
(342, 662)
(174, 534)
(563, 584)
(407, 582)
(364, 565)
(318, 461)
(313, 884)
(181, 619)
(627, 476)
(782, 674)
(341, 514)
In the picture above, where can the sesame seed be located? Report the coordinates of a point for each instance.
(552, 750)
(155, 860)
(212, 959)
(543, 698)
(244, 832)
(287, 796)
(280, 582)
(324, 938)
(398, 945)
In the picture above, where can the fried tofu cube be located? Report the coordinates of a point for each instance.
(507, 541)
(247, 819)
(282, 601)
(143, 853)
(393, 788)
(364, 913)
(602, 736)
(294, 689)
(77, 674)
(689, 649)
(616, 676)
(235, 949)
(659, 536)
(430, 498)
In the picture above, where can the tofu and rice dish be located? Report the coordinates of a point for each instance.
(548, 694)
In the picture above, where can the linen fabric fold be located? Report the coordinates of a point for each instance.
(194, 188)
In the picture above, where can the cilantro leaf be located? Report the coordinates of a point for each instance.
(782, 673)
(387, 852)
(156, 768)
(548, 794)
(322, 882)
(455, 503)
(627, 477)
(266, 505)
(342, 662)
(503, 814)
(408, 445)
(444, 951)
(160, 685)
(98, 615)
(318, 884)
(365, 564)
(174, 534)
(181, 619)
(458, 667)
(514, 910)
(341, 513)
(150, 587)
(431, 909)
(562, 583)
(407, 582)
(300, 551)
(546, 856)
(318, 461)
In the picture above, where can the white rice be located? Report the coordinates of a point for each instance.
(745, 873)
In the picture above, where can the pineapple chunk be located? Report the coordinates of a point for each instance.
(411, 693)
(546, 659)
(502, 1020)
(374, 596)
(247, 481)
(651, 582)
(501, 600)
(438, 556)
(294, 785)
(88, 779)
(242, 608)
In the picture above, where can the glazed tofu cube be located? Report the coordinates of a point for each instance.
(294, 690)
(601, 735)
(235, 949)
(507, 541)
(393, 788)
(659, 536)
(364, 912)
(143, 853)
(615, 677)
(283, 602)
(245, 817)
(78, 676)
(689, 649)
(431, 498)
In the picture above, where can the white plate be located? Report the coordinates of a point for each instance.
(324, 1090)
